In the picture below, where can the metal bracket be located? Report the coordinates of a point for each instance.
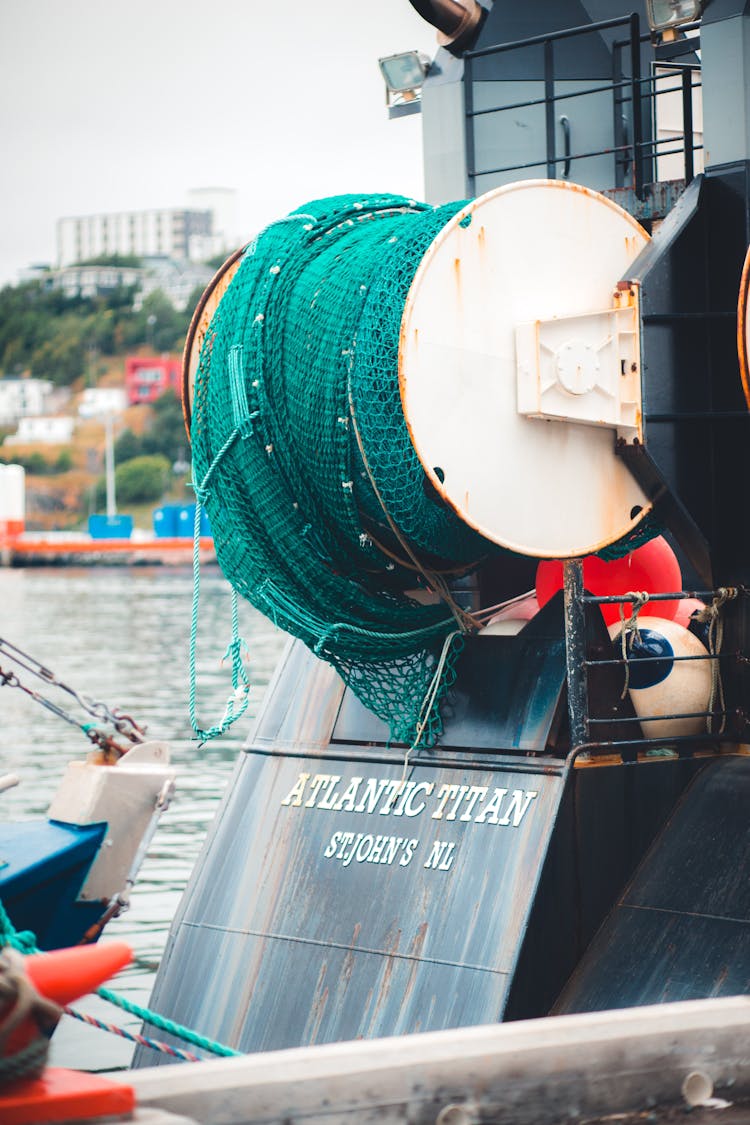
(584, 369)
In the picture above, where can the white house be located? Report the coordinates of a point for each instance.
(21, 398)
(98, 402)
(52, 431)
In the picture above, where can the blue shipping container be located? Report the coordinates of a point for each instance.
(165, 521)
(110, 527)
(185, 520)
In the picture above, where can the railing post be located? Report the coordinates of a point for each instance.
(635, 88)
(469, 125)
(687, 121)
(575, 652)
(549, 108)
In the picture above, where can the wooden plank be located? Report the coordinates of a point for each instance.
(527, 1073)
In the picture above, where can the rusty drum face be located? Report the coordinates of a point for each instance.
(199, 323)
(519, 367)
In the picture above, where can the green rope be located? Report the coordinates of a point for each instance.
(164, 1024)
(240, 683)
(25, 942)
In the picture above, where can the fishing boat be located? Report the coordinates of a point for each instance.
(485, 855)
(64, 877)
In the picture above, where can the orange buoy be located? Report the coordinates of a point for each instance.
(66, 974)
(41, 984)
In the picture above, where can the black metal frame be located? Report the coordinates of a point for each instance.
(634, 157)
(582, 736)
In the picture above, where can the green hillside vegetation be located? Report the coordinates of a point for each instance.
(75, 342)
(53, 337)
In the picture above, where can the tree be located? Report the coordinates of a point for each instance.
(158, 324)
(127, 446)
(142, 479)
(164, 433)
(61, 359)
(43, 329)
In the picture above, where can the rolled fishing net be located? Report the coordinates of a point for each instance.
(321, 513)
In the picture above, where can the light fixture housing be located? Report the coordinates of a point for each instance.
(666, 14)
(405, 72)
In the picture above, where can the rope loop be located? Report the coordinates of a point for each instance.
(20, 1002)
(639, 599)
(715, 618)
(240, 683)
(201, 494)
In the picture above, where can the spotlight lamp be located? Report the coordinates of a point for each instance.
(666, 14)
(404, 73)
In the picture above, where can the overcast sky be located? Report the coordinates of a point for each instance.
(107, 107)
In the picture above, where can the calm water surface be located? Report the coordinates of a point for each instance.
(121, 635)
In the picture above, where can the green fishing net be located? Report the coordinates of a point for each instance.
(302, 457)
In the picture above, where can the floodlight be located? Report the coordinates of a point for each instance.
(664, 14)
(403, 73)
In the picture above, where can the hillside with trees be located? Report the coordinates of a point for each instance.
(77, 342)
(52, 336)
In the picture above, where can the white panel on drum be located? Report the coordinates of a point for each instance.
(533, 251)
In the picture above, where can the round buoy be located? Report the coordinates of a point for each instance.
(664, 686)
(653, 568)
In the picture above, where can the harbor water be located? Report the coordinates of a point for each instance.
(121, 635)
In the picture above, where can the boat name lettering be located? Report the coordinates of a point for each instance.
(476, 803)
(365, 848)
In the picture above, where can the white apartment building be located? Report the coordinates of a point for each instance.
(174, 232)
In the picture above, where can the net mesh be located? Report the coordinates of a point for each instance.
(303, 460)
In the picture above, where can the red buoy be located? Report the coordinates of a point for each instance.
(653, 567)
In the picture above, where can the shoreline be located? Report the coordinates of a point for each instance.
(64, 549)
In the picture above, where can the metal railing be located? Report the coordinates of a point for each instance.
(589, 731)
(635, 150)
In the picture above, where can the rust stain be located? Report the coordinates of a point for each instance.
(417, 947)
(457, 278)
(347, 967)
(417, 944)
(318, 1009)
